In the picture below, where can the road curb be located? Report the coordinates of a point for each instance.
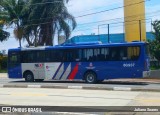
(14, 86)
(80, 87)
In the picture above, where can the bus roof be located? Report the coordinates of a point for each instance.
(79, 45)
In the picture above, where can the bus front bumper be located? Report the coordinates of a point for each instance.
(146, 74)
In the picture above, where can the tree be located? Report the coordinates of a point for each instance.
(3, 34)
(155, 44)
(48, 18)
(38, 21)
(14, 10)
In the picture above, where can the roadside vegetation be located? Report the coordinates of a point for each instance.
(154, 45)
(36, 21)
(3, 63)
(155, 67)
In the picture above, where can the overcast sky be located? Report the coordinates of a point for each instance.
(85, 26)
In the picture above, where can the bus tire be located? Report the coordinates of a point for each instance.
(29, 77)
(90, 77)
(39, 80)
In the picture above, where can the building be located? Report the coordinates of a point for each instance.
(134, 17)
(114, 38)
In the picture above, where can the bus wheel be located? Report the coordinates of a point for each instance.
(39, 80)
(29, 77)
(90, 77)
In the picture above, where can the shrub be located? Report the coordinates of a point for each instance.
(3, 62)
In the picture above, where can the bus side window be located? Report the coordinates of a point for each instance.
(14, 59)
(47, 56)
(31, 57)
(133, 52)
(123, 53)
(114, 55)
(84, 55)
(24, 56)
(78, 55)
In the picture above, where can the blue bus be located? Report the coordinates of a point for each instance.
(91, 62)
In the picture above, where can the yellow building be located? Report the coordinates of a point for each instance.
(135, 26)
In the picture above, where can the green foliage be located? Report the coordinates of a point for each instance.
(14, 11)
(3, 71)
(45, 19)
(1, 55)
(40, 20)
(154, 67)
(3, 34)
(154, 45)
(3, 63)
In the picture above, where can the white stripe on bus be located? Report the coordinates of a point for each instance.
(67, 72)
(60, 72)
(52, 68)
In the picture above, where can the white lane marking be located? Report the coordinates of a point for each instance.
(75, 87)
(34, 86)
(1, 85)
(122, 88)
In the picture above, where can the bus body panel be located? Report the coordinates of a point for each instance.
(36, 68)
(15, 72)
(76, 69)
(112, 70)
(14, 66)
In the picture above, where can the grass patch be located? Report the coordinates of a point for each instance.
(154, 67)
(3, 71)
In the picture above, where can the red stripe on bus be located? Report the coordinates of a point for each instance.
(73, 73)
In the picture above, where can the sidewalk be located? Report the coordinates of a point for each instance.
(3, 75)
(141, 80)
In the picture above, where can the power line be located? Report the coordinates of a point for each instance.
(95, 8)
(45, 3)
(157, 12)
(111, 9)
(85, 29)
(113, 24)
(42, 3)
(104, 24)
(119, 18)
(91, 13)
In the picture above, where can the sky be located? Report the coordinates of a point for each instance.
(87, 25)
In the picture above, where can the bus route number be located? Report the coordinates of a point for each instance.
(128, 64)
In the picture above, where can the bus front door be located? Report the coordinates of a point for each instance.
(14, 65)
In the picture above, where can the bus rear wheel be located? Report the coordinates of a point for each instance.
(90, 77)
(29, 77)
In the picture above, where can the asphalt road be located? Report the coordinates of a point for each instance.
(118, 85)
(73, 83)
(80, 99)
(76, 96)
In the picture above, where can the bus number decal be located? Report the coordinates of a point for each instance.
(129, 65)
